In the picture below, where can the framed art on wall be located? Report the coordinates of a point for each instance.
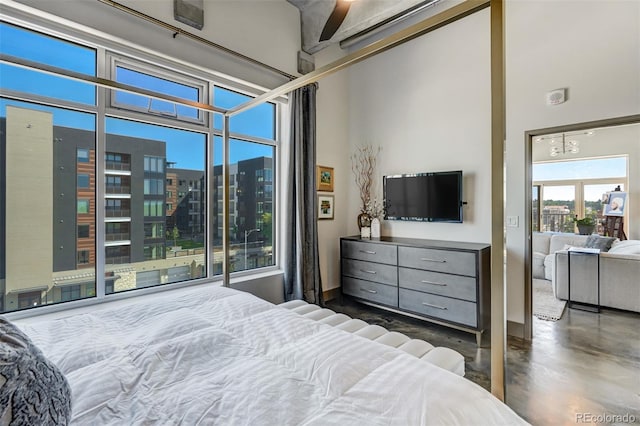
(325, 206)
(324, 178)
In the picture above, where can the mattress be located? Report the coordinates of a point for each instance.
(212, 355)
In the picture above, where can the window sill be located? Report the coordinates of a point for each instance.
(61, 310)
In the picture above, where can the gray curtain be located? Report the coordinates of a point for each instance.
(302, 267)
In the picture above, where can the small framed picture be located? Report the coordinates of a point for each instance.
(325, 206)
(325, 178)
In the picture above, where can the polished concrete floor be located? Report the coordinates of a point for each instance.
(578, 368)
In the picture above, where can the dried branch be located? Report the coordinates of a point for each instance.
(363, 165)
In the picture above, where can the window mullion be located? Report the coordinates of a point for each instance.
(100, 179)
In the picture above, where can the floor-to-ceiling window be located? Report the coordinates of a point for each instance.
(107, 190)
(572, 189)
(252, 156)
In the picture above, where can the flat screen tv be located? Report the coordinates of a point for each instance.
(426, 197)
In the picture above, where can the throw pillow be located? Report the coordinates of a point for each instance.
(33, 391)
(602, 243)
(626, 247)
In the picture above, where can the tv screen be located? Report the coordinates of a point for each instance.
(431, 197)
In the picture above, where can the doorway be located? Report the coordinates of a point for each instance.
(569, 169)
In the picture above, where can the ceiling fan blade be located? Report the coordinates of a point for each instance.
(335, 19)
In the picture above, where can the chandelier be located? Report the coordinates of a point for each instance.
(562, 144)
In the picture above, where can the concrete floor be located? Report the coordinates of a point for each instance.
(586, 364)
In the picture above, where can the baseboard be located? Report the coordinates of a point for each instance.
(334, 293)
(515, 329)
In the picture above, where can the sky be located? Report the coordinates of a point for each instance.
(185, 148)
(579, 169)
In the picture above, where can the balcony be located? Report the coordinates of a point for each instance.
(118, 189)
(117, 236)
(117, 260)
(117, 213)
(557, 222)
(117, 165)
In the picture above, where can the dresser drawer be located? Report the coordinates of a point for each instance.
(371, 252)
(438, 283)
(452, 262)
(445, 308)
(385, 274)
(378, 293)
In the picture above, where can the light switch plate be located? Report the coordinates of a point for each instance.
(513, 221)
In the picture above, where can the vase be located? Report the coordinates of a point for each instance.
(364, 220)
(375, 228)
(365, 232)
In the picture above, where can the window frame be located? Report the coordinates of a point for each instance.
(84, 254)
(86, 201)
(83, 226)
(116, 60)
(108, 48)
(82, 159)
(81, 179)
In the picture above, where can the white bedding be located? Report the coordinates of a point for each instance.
(212, 355)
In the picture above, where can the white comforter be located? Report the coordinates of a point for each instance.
(211, 355)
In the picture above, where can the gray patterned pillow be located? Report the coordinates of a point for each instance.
(602, 243)
(32, 389)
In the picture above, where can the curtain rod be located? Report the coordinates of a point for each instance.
(178, 30)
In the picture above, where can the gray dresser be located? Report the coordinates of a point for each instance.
(444, 282)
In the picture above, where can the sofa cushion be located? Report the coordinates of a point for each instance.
(32, 389)
(540, 242)
(626, 247)
(548, 266)
(537, 265)
(598, 242)
(559, 241)
(549, 262)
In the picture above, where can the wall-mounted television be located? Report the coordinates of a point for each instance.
(426, 197)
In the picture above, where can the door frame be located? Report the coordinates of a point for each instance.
(529, 135)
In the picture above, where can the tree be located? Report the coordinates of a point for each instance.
(174, 234)
(267, 227)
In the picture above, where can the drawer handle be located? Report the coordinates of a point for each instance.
(367, 251)
(433, 283)
(368, 272)
(434, 306)
(426, 259)
(368, 291)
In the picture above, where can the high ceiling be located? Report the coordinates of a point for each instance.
(325, 22)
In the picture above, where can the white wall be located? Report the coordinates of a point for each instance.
(397, 101)
(427, 104)
(593, 48)
(332, 145)
(425, 123)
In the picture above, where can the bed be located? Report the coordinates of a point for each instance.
(213, 355)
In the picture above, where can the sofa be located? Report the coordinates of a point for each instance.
(619, 268)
